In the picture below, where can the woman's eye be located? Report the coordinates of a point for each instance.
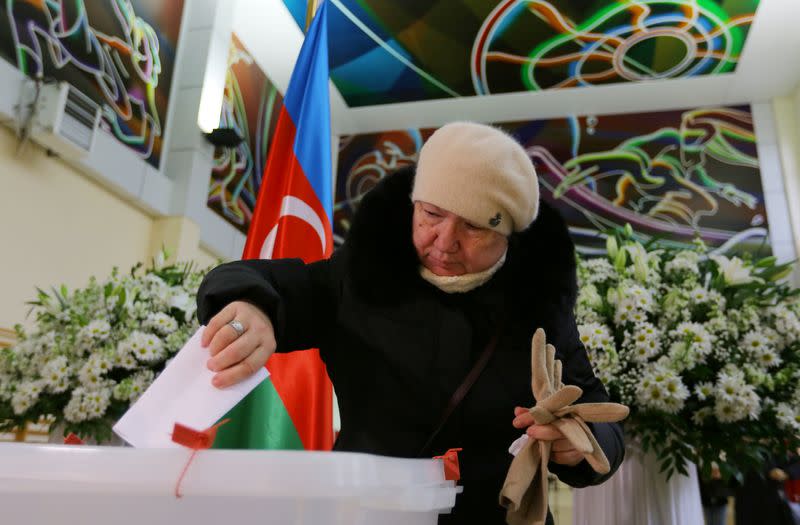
(473, 227)
(432, 213)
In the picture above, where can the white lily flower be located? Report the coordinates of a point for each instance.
(734, 270)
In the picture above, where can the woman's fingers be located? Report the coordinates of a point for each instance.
(523, 418)
(224, 337)
(562, 451)
(243, 369)
(225, 316)
(239, 349)
(236, 357)
(544, 432)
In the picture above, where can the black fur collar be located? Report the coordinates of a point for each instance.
(383, 265)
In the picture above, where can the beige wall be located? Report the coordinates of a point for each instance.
(205, 258)
(58, 226)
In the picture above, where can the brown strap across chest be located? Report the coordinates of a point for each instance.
(461, 392)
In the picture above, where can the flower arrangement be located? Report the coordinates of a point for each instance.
(95, 350)
(703, 348)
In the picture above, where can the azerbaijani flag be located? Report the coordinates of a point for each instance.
(292, 218)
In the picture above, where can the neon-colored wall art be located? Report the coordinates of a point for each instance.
(672, 174)
(251, 106)
(398, 50)
(118, 52)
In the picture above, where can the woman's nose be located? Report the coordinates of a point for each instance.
(446, 236)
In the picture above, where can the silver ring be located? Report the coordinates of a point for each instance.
(237, 326)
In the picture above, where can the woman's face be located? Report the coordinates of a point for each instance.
(449, 245)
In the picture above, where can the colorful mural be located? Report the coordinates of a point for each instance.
(672, 174)
(398, 50)
(251, 106)
(119, 52)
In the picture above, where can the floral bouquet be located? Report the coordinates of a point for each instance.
(704, 349)
(95, 350)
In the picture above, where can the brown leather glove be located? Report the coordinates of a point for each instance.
(524, 492)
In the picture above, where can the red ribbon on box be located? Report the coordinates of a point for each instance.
(195, 440)
(452, 470)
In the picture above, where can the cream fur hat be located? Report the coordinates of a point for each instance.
(479, 173)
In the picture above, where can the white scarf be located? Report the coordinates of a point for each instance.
(461, 283)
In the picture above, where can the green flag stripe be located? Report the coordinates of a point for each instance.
(259, 421)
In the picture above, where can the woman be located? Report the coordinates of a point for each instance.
(469, 266)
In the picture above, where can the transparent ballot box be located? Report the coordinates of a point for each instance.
(46, 484)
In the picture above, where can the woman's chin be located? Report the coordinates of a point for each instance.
(442, 270)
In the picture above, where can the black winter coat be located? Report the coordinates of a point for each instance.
(396, 347)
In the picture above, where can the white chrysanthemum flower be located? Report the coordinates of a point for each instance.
(643, 297)
(704, 390)
(146, 347)
(662, 389)
(139, 383)
(124, 358)
(753, 342)
(699, 418)
(99, 329)
(787, 417)
(685, 261)
(75, 411)
(719, 327)
(630, 310)
(589, 297)
(48, 340)
(25, 396)
(735, 398)
(786, 322)
(644, 342)
(161, 323)
(93, 370)
(727, 412)
(698, 295)
(773, 338)
(595, 336)
(55, 374)
(745, 406)
(597, 270)
(695, 334)
(97, 401)
(756, 345)
(769, 358)
(605, 365)
(87, 403)
(729, 384)
(585, 314)
(155, 284)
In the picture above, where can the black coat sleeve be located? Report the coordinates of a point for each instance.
(300, 299)
(577, 370)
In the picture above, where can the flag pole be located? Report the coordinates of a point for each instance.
(311, 10)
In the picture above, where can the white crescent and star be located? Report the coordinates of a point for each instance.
(291, 206)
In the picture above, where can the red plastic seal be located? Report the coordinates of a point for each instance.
(72, 439)
(195, 440)
(449, 459)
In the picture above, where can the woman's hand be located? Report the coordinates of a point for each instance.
(236, 357)
(561, 452)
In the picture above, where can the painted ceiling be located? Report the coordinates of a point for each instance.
(388, 51)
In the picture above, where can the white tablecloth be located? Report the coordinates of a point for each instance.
(638, 494)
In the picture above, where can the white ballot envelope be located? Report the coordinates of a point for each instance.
(183, 394)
